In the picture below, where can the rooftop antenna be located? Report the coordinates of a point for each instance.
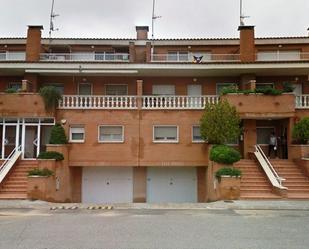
(241, 14)
(154, 17)
(51, 22)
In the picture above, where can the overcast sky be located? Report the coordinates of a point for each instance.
(180, 18)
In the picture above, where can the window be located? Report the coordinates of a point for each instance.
(15, 85)
(116, 89)
(84, 89)
(165, 134)
(264, 85)
(77, 134)
(196, 134)
(263, 134)
(177, 56)
(163, 90)
(111, 134)
(221, 86)
(59, 87)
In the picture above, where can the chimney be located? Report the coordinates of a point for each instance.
(247, 43)
(33, 46)
(142, 32)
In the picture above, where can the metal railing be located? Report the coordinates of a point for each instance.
(191, 58)
(271, 173)
(282, 56)
(12, 56)
(177, 102)
(9, 162)
(97, 102)
(84, 57)
(302, 101)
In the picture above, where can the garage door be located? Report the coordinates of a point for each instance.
(107, 185)
(171, 184)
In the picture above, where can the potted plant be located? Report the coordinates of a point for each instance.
(40, 183)
(229, 183)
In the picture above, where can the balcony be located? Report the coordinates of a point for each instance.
(131, 102)
(92, 57)
(12, 56)
(262, 106)
(195, 59)
(282, 56)
(22, 105)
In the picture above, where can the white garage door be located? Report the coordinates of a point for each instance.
(107, 185)
(171, 184)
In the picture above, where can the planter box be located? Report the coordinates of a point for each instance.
(229, 187)
(23, 105)
(269, 106)
(40, 188)
(298, 151)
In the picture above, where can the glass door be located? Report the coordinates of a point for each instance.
(10, 139)
(31, 148)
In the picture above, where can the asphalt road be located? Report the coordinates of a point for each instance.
(119, 229)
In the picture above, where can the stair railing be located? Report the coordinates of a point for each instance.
(12, 158)
(268, 168)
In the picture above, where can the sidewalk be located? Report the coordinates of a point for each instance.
(219, 205)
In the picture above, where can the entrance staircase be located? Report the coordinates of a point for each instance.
(14, 185)
(254, 183)
(295, 180)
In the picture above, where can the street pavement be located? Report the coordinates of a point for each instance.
(146, 227)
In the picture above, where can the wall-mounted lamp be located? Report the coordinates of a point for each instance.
(63, 121)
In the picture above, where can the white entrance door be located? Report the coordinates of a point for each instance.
(107, 185)
(194, 93)
(171, 184)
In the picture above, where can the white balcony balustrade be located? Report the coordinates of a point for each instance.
(195, 58)
(177, 102)
(302, 101)
(12, 56)
(131, 102)
(119, 57)
(97, 102)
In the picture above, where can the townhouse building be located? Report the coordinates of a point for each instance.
(131, 110)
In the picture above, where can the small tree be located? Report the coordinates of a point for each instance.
(301, 131)
(57, 135)
(220, 123)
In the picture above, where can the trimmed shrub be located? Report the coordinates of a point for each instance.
(10, 90)
(40, 172)
(269, 91)
(51, 97)
(51, 155)
(57, 135)
(301, 131)
(228, 172)
(224, 154)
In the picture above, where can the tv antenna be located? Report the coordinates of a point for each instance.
(53, 15)
(154, 17)
(241, 14)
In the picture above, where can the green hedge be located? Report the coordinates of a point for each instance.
(40, 172)
(224, 154)
(228, 172)
(264, 90)
(51, 155)
(10, 90)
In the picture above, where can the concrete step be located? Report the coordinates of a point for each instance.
(12, 196)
